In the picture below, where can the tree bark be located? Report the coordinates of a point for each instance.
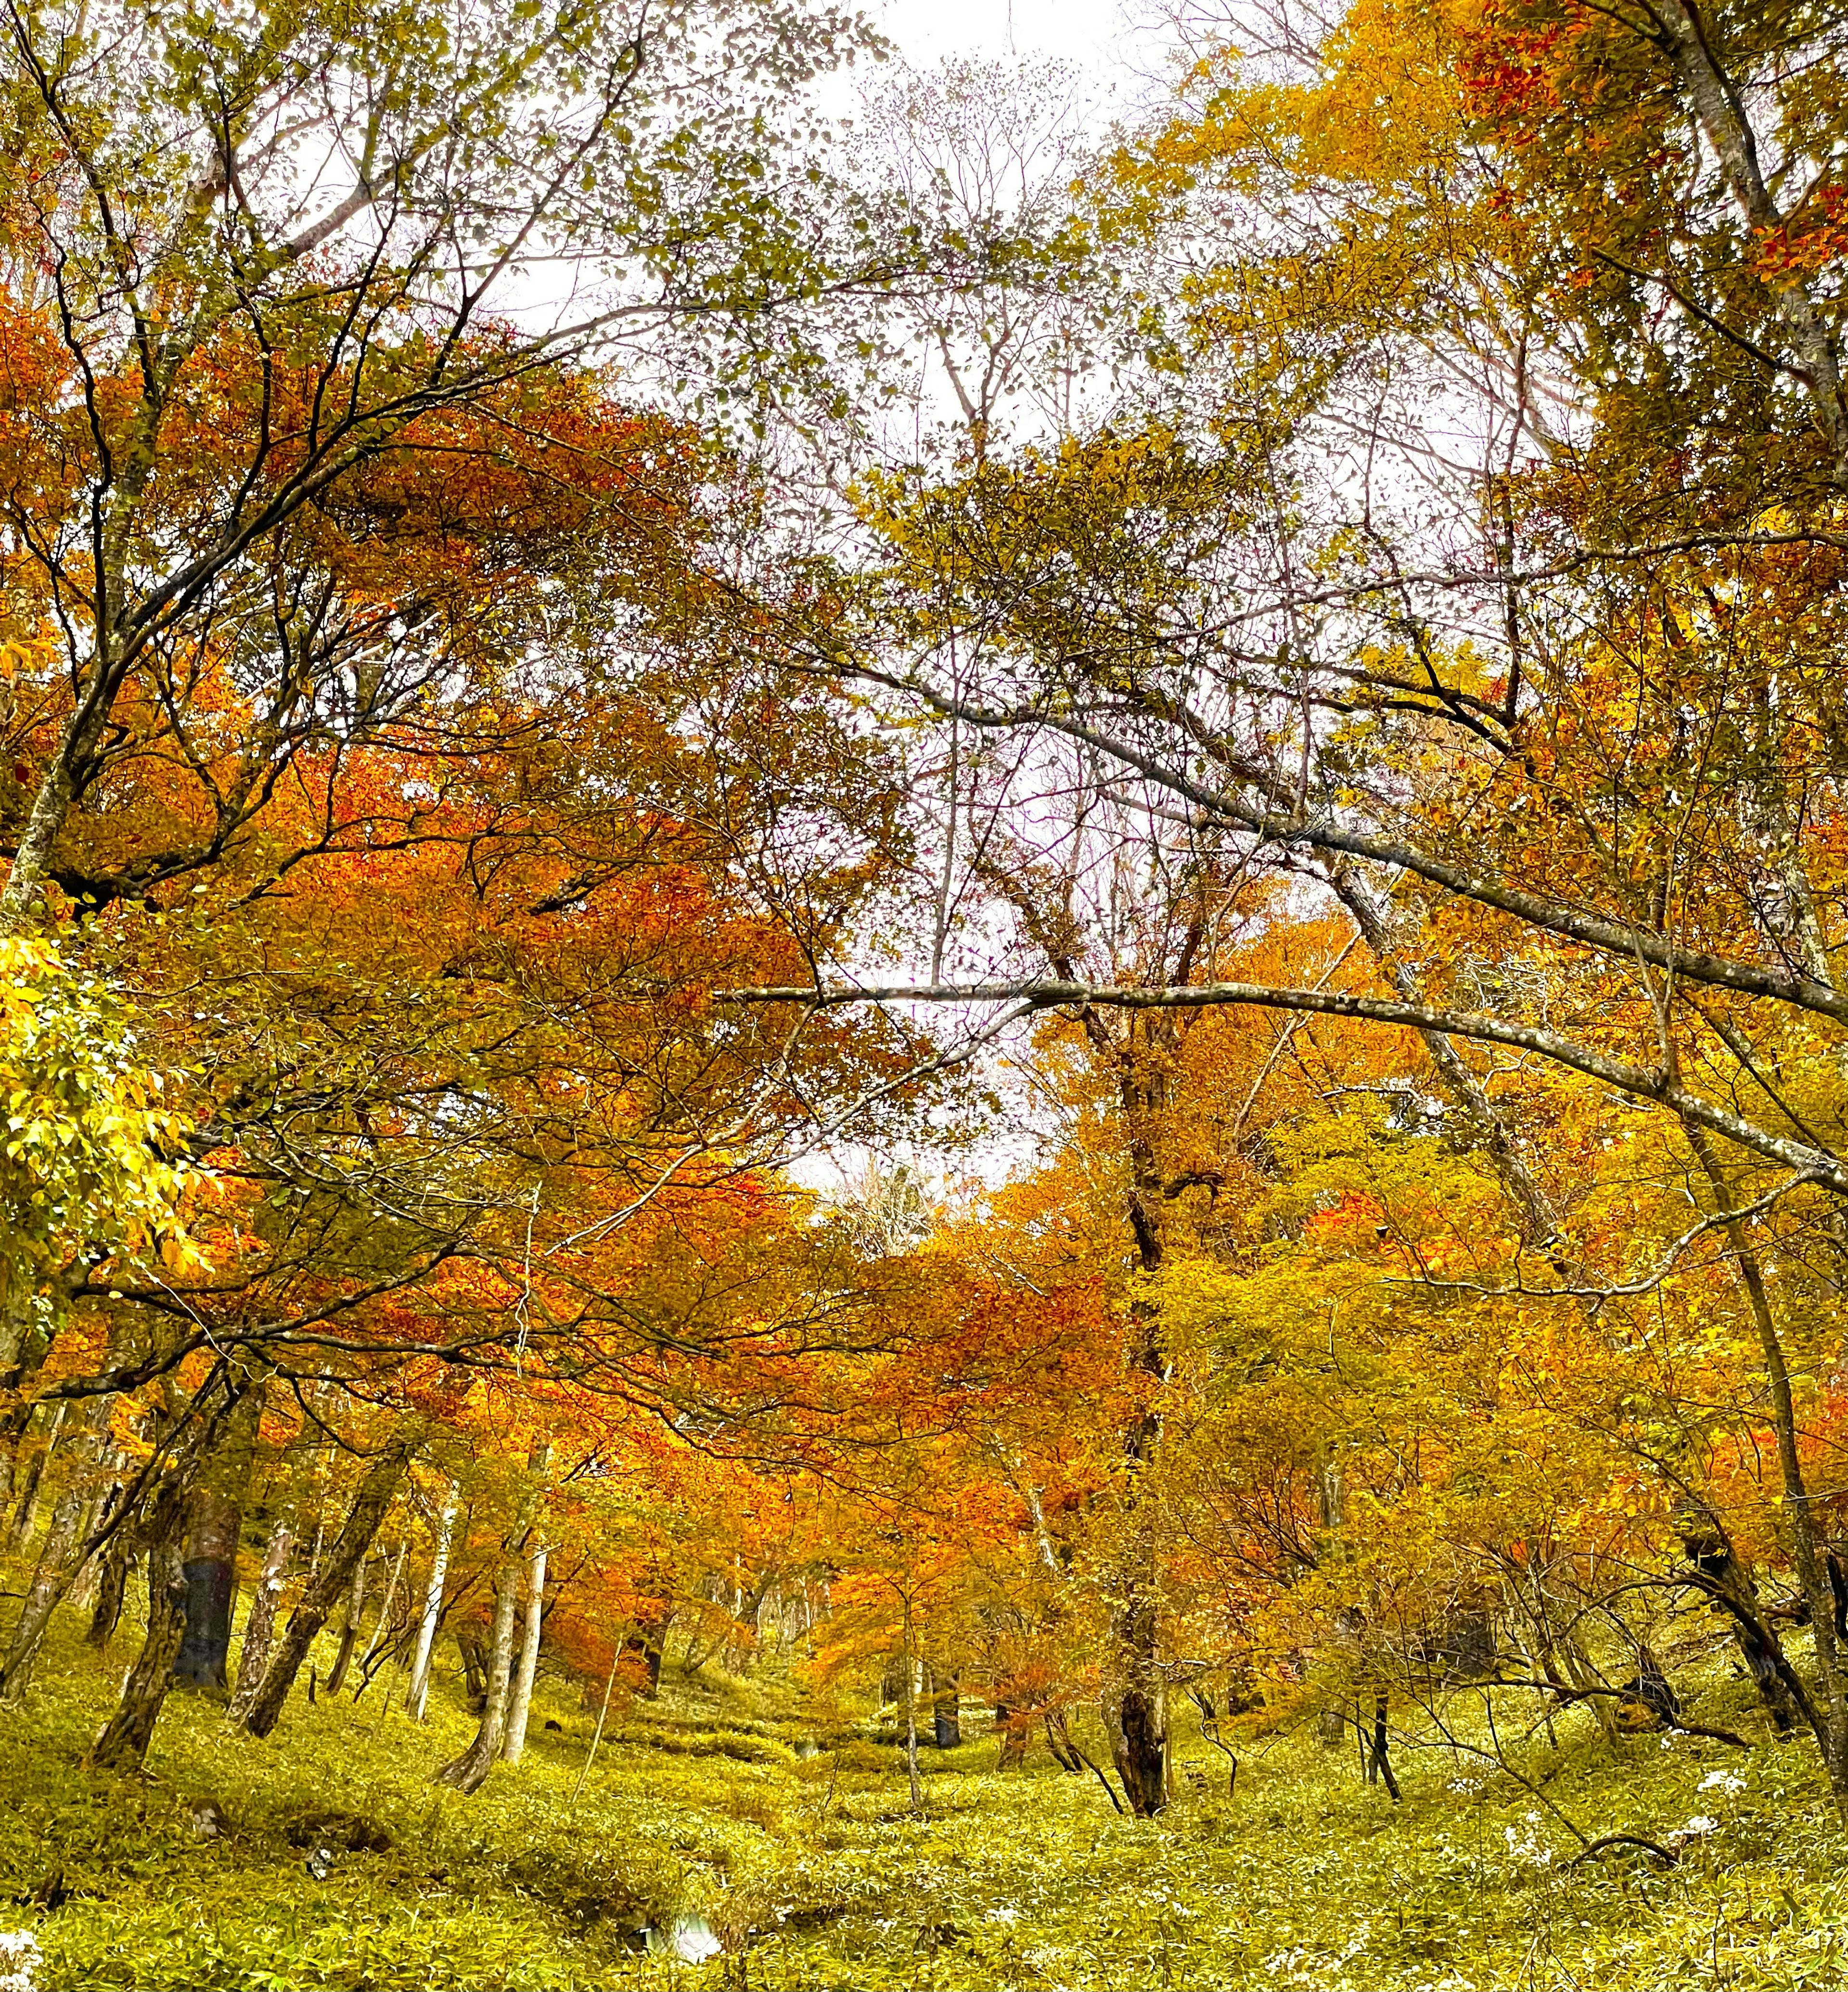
(911, 1715)
(59, 1558)
(214, 1523)
(382, 1626)
(520, 1704)
(1013, 1738)
(211, 1568)
(468, 1772)
(260, 1628)
(1135, 1710)
(123, 1745)
(1379, 1767)
(105, 1496)
(648, 1642)
(379, 1483)
(1728, 1581)
(26, 1515)
(419, 1694)
(1716, 102)
(112, 1586)
(475, 1668)
(350, 1626)
(1807, 1553)
(946, 1711)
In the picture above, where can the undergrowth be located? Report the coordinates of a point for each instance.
(740, 1804)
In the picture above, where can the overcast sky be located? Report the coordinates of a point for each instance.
(1093, 34)
(1081, 30)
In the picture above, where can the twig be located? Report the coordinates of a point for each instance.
(590, 1755)
(1610, 1840)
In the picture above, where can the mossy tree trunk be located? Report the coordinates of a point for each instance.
(112, 1588)
(123, 1745)
(25, 1516)
(468, 1772)
(259, 1627)
(946, 1711)
(61, 1555)
(380, 1483)
(350, 1626)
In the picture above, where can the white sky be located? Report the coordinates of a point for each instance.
(1095, 36)
(1082, 31)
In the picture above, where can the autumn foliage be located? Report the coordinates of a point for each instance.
(1192, 1062)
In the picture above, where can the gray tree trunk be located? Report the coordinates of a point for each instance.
(468, 1772)
(519, 1705)
(260, 1628)
(419, 1695)
(59, 1558)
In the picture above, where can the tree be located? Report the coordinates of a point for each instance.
(1540, 713)
(185, 272)
(92, 1176)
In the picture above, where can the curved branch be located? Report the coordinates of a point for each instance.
(1636, 1081)
(1591, 930)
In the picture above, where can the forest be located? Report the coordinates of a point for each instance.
(919, 1059)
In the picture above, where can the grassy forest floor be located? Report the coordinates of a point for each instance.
(810, 1868)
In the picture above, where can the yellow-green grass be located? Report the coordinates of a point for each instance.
(813, 1872)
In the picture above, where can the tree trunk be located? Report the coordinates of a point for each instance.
(376, 1488)
(60, 1556)
(1013, 1735)
(520, 1706)
(419, 1694)
(475, 1668)
(911, 1716)
(111, 1466)
(112, 1587)
(349, 1626)
(1828, 1723)
(50, 806)
(297, 1486)
(468, 1772)
(210, 1569)
(1058, 1741)
(16, 1331)
(1135, 1709)
(647, 1643)
(1379, 1765)
(946, 1711)
(214, 1523)
(382, 1627)
(25, 1516)
(260, 1628)
(1729, 1583)
(123, 1745)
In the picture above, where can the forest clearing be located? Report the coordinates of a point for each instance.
(919, 1058)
